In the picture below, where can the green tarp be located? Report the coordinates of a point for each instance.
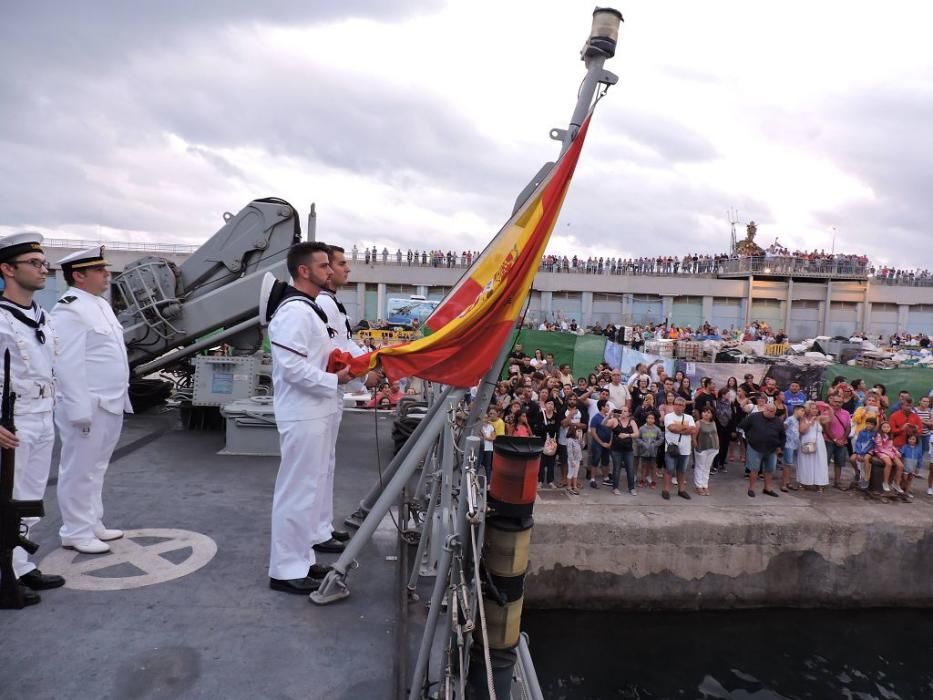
(917, 380)
(582, 352)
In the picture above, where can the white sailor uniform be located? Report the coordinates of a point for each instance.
(92, 372)
(338, 320)
(304, 406)
(32, 343)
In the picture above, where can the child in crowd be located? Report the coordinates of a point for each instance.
(885, 450)
(862, 448)
(912, 455)
(574, 459)
(791, 447)
(646, 449)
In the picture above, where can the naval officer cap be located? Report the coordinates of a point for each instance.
(92, 257)
(19, 243)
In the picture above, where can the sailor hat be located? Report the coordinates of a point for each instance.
(19, 243)
(92, 257)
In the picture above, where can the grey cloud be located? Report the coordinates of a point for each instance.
(670, 141)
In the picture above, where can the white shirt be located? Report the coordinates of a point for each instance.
(301, 346)
(618, 394)
(91, 368)
(341, 323)
(683, 442)
(31, 362)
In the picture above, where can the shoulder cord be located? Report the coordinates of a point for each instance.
(18, 314)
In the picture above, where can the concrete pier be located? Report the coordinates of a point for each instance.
(803, 549)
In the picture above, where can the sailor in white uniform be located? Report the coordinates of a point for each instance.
(329, 539)
(304, 405)
(92, 373)
(26, 332)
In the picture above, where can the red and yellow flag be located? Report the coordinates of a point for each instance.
(471, 324)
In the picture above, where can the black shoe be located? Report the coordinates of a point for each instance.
(29, 598)
(751, 493)
(301, 586)
(666, 495)
(331, 546)
(768, 492)
(38, 581)
(318, 571)
(340, 535)
(684, 494)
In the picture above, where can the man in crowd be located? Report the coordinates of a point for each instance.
(618, 393)
(794, 397)
(25, 332)
(93, 393)
(304, 405)
(765, 435)
(679, 429)
(836, 435)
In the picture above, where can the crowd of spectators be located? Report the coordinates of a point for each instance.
(629, 432)
(776, 258)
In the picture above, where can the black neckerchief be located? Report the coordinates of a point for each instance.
(342, 309)
(292, 293)
(16, 311)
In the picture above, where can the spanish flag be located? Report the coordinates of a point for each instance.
(469, 327)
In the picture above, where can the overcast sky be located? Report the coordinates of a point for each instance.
(415, 123)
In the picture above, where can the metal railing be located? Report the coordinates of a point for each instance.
(143, 247)
(904, 281)
(798, 267)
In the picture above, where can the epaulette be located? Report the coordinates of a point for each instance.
(68, 299)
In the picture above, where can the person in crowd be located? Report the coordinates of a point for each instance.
(794, 396)
(679, 429)
(732, 386)
(493, 427)
(537, 362)
(647, 444)
(522, 427)
(686, 393)
(911, 454)
(871, 409)
(705, 395)
(904, 421)
(574, 459)
(647, 408)
(624, 434)
(511, 417)
(618, 392)
(882, 392)
(889, 455)
(724, 412)
(638, 393)
(862, 447)
(749, 386)
(600, 442)
(925, 414)
(706, 447)
(791, 446)
(547, 426)
(812, 467)
(836, 434)
(765, 434)
(859, 391)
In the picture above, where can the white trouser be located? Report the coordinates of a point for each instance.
(324, 508)
(36, 433)
(704, 461)
(84, 461)
(305, 447)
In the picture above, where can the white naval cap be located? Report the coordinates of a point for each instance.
(19, 243)
(92, 257)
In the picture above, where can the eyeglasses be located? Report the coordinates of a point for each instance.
(35, 262)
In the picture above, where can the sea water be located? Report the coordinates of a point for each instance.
(878, 654)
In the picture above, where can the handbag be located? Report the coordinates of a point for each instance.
(808, 448)
(673, 448)
(550, 447)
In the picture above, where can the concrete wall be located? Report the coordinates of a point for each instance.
(701, 557)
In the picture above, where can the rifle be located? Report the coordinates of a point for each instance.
(11, 510)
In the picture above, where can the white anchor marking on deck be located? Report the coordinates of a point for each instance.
(156, 569)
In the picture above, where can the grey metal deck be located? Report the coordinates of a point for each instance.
(220, 631)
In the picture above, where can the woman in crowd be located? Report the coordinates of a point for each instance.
(668, 405)
(547, 427)
(638, 394)
(686, 393)
(859, 390)
(732, 385)
(574, 459)
(812, 467)
(882, 396)
(742, 406)
(647, 407)
(649, 442)
(706, 447)
(521, 428)
(624, 434)
(538, 360)
(511, 417)
(593, 380)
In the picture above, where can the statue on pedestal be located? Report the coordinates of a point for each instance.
(747, 246)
